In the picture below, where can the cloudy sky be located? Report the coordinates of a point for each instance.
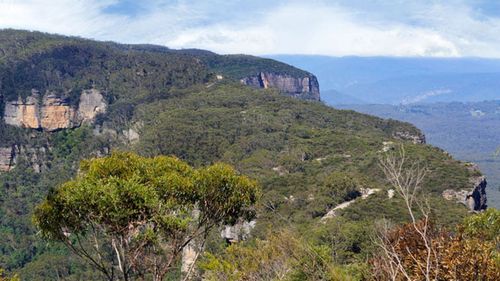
(450, 28)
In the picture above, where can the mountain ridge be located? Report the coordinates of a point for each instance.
(167, 103)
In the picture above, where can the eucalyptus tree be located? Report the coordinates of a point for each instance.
(131, 216)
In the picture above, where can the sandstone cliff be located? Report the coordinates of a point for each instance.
(7, 158)
(53, 112)
(306, 87)
(474, 198)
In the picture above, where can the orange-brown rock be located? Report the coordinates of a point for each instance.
(53, 112)
(23, 113)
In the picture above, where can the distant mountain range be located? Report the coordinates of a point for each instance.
(384, 80)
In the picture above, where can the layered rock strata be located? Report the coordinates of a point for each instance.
(51, 112)
(306, 87)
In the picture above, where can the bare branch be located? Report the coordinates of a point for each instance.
(406, 177)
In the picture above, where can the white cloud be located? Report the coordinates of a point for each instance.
(474, 34)
(58, 16)
(317, 30)
(314, 27)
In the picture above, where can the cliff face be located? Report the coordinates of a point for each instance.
(23, 113)
(306, 87)
(474, 198)
(91, 103)
(52, 112)
(55, 114)
(477, 198)
(7, 158)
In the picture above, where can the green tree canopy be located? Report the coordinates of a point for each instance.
(132, 216)
(343, 185)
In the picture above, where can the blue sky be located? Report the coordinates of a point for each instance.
(453, 28)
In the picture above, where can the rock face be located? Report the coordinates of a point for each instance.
(475, 199)
(53, 112)
(35, 156)
(415, 138)
(91, 103)
(7, 158)
(306, 87)
(23, 113)
(189, 256)
(237, 232)
(190, 253)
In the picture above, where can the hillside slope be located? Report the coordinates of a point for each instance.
(469, 131)
(153, 100)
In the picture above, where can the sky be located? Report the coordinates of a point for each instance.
(424, 28)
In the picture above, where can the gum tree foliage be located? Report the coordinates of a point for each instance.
(131, 216)
(282, 256)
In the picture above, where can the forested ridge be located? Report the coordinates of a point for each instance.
(305, 157)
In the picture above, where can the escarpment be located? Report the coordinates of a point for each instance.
(51, 112)
(305, 87)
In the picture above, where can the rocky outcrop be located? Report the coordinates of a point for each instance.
(7, 158)
(306, 87)
(53, 112)
(238, 232)
(418, 138)
(34, 156)
(475, 198)
(189, 256)
(91, 104)
(23, 113)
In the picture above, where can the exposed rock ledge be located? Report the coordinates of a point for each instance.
(474, 198)
(53, 112)
(306, 87)
(415, 138)
(35, 156)
(238, 232)
(7, 158)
